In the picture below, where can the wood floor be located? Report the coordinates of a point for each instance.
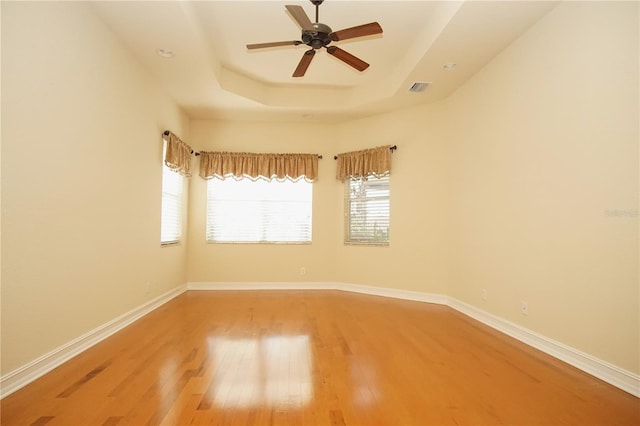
(314, 358)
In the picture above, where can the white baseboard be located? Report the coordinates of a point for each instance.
(261, 286)
(416, 296)
(24, 375)
(616, 376)
(354, 288)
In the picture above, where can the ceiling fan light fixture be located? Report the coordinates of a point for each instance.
(419, 86)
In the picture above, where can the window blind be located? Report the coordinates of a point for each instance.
(260, 211)
(367, 211)
(171, 216)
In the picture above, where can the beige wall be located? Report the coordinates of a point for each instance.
(416, 257)
(81, 176)
(544, 147)
(266, 262)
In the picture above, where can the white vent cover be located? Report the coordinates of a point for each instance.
(419, 86)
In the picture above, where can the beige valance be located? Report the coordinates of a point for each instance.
(177, 154)
(258, 166)
(362, 164)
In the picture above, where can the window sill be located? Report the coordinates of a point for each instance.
(366, 244)
(279, 243)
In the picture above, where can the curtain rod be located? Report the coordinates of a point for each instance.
(391, 148)
(167, 132)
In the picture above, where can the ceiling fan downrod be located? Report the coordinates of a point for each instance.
(317, 3)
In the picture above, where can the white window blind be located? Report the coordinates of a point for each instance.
(367, 211)
(246, 211)
(171, 218)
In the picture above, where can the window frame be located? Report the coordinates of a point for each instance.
(261, 224)
(170, 180)
(348, 222)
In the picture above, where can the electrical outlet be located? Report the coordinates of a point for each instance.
(303, 270)
(484, 294)
(524, 308)
(147, 287)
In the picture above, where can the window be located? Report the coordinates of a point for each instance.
(171, 219)
(367, 211)
(246, 211)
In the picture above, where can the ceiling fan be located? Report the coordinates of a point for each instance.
(317, 35)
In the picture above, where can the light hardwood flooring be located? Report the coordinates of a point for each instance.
(314, 358)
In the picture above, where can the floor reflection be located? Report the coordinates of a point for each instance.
(363, 378)
(273, 370)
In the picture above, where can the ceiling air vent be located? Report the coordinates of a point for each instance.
(419, 87)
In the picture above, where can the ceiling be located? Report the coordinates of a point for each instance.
(213, 75)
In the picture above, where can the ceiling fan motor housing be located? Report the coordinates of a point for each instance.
(318, 37)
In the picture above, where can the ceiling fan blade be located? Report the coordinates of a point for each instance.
(348, 58)
(274, 44)
(359, 31)
(300, 16)
(304, 63)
